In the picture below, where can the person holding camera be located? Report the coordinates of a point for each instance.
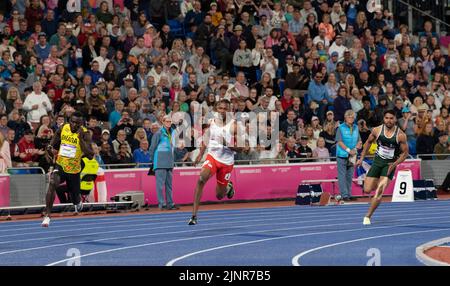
(220, 44)
(125, 124)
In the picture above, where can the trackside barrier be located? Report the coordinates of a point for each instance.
(435, 170)
(27, 186)
(252, 182)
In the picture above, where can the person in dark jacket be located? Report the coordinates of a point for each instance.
(203, 34)
(341, 104)
(156, 10)
(172, 9)
(366, 113)
(220, 46)
(425, 141)
(380, 109)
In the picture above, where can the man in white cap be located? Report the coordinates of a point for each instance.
(338, 47)
(128, 82)
(174, 74)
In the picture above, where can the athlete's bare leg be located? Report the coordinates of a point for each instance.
(376, 200)
(51, 193)
(221, 191)
(205, 174)
(370, 184)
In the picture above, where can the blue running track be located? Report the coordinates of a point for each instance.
(332, 235)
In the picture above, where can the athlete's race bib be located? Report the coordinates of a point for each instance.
(68, 151)
(387, 153)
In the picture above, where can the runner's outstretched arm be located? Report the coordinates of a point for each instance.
(366, 146)
(85, 144)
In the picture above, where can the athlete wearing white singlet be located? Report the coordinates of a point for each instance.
(220, 137)
(220, 158)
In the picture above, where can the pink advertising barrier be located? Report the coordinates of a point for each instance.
(254, 182)
(4, 190)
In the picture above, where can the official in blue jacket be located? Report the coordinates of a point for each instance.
(161, 155)
(348, 140)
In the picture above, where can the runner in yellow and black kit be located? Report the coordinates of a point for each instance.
(391, 151)
(72, 141)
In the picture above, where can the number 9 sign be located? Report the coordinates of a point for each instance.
(403, 191)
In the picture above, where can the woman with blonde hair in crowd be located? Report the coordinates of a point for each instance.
(139, 136)
(356, 100)
(310, 133)
(327, 26)
(317, 128)
(408, 56)
(175, 90)
(189, 49)
(336, 12)
(11, 96)
(425, 139)
(321, 152)
(332, 86)
(329, 135)
(350, 82)
(258, 53)
(356, 49)
(5, 155)
(361, 23)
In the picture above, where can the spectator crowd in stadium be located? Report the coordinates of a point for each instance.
(125, 64)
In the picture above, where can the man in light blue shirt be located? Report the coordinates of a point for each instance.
(42, 48)
(142, 155)
(318, 92)
(296, 25)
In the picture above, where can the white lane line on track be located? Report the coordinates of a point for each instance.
(165, 220)
(61, 222)
(173, 261)
(187, 231)
(296, 259)
(70, 227)
(7, 226)
(131, 216)
(176, 224)
(241, 233)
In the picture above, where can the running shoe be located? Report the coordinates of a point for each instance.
(366, 221)
(193, 220)
(46, 222)
(230, 190)
(79, 207)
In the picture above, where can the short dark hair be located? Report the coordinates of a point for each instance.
(389, 111)
(77, 114)
(226, 101)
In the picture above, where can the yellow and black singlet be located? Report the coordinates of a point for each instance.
(69, 155)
